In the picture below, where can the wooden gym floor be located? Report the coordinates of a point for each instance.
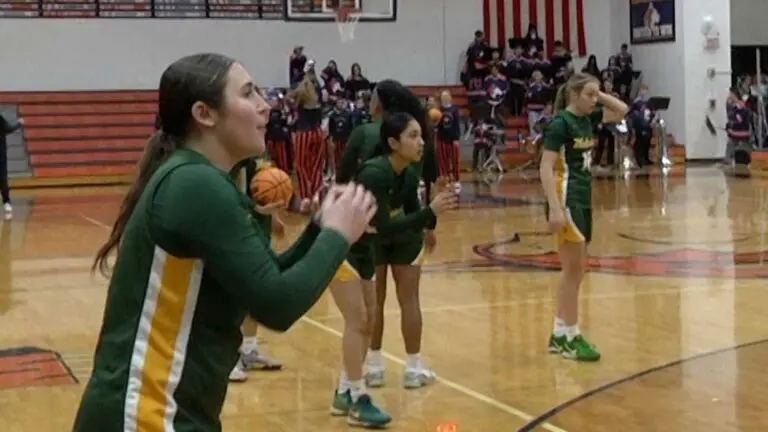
(674, 298)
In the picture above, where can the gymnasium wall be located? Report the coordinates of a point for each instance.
(679, 70)
(422, 47)
(748, 22)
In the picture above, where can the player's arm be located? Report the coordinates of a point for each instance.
(197, 211)
(411, 203)
(554, 139)
(613, 110)
(375, 180)
(350, 156)
(300, 247)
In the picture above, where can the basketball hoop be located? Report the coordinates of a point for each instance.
(346, 19)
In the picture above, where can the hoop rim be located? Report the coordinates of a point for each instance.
(346, 19)
(348, 11)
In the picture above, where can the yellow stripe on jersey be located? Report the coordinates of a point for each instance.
(161, 342)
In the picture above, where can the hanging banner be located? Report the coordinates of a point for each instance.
(651, 21)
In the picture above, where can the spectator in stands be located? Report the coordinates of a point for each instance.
(737, 127)
(496, 87)
(362, 112)
(560, 58)
(6, 128)
(641, 117)
(478, 50)
(331, 74)
(624, 80)
(447, 145)
(296, 64)
(606, 140)
(543, 65)
(563, 74)
(340, 126)
(533, 44)
(475, 70)
(308, 139)
(278, 133)
(517, 72)
(497, 60)
(591, 67)
(356, 82)
(612, 72)
(537, 97)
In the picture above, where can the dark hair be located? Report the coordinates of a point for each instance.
(199, 77)
(355, 66)
(394, 97)
(393, 126)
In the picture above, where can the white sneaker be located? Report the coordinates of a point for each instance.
(256, 359)
(8, 210)
(238, 373)
(374, 376)
(417, 378)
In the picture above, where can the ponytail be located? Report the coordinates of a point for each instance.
(561, 99)
(159, 147)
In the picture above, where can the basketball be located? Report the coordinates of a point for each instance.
(435, 115)
(271, 185)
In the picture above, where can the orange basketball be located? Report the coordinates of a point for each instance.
(435, 115)
(271, 185)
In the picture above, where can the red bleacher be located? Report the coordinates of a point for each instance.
(103, 133)
(91, 133)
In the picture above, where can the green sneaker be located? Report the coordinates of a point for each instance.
(556, 343)
(364, 413)
(581, 350)
(341, 403)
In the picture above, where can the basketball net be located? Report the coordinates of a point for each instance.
(346, 19)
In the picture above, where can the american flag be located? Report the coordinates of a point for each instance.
(561, 20)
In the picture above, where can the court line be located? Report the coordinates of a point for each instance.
(96, 222)
(451, 384)
(455, 386)
(539, 421)
(541, 300)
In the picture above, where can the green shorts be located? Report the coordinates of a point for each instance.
(358, 265)
(410, 252)
(577, 227)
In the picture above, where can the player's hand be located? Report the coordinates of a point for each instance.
(556, 219)
(270, 209)
(440, 184)
(443, 201)
(456, 144)
(430, 240)
(348, 210)
(278, 227)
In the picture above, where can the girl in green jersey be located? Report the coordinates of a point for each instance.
(391, 177)
(191, 264)
(567, 182)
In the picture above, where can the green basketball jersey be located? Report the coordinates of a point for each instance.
(191, 265)
(572, 137)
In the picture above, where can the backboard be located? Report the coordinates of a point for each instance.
(325, 10)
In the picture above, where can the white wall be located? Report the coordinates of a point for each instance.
(679, 70)
(749, 19)
(422, 47)
(602, 28)
(698, 87)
